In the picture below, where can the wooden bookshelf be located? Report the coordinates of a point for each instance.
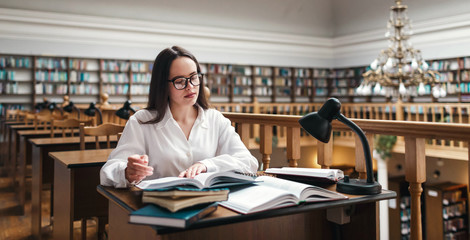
(27, 79)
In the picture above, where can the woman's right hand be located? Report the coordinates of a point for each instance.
(137, 168)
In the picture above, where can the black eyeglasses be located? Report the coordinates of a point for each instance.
(181, 83)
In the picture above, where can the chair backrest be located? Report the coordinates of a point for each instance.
(12, 114)
(44, 121)
(106, 129)
(68, 126)
(29, 118)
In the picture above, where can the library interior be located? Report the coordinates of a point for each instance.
(73, 72)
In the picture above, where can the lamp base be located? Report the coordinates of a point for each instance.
(358, 187)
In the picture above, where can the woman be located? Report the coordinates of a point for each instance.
(176, 135)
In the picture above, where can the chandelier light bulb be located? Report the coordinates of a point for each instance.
(407, 69)
(377, 89)
(436, 92)
(374, 64)
(383, 91)
(421, 89)
(442, 92)
(367, 89)
(402, 89)
(359, 89)
(389, 63)
(425, 66)
(414, 64)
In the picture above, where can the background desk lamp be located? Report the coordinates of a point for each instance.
(124, 112)
(41, 106)
(318, 124)
(91, 111)
(70, 107)
(52, 106)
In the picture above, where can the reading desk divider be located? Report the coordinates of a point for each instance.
(306, 221)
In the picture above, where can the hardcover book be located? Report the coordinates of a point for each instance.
(181, 198)
(307, 175)
(154, 215)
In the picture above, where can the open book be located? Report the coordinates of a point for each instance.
(270, 193)
(203, 180)
(307, 175)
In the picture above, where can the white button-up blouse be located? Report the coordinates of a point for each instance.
(212, 141)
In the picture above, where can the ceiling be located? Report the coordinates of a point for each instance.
(319, 18)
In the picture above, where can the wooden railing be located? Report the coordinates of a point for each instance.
(422, 112)
(414, 134)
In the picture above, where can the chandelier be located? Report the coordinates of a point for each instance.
(400, 71)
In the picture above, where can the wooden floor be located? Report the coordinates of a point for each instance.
(15, 225)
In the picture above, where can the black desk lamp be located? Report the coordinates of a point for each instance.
(41, 106)
(91, 111)
(70, 107)
(52, 106)
(124, 112)
(318, 124)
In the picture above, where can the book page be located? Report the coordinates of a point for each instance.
(220, 178)
(333, 174)
(259, 198)
(286, 185)
(168, 182)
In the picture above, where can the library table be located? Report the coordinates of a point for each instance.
(76, 175)
(43, 169)
(306, 221)
(24, 157)
(13, 148)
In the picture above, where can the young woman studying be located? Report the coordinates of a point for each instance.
(176, 135)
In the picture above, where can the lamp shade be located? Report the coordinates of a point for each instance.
(91, 110)
(124, 112)
(69, 107)
(318, 124)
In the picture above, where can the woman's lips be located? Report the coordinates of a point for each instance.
(190, 95)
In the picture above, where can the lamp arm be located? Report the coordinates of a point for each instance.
(101, 115)
(365, 144)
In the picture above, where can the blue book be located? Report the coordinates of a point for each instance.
(154, 215)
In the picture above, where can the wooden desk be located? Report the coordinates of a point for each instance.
(76, 175)
(306, 221)
(13, 141)
(24, 157)
(43, 169)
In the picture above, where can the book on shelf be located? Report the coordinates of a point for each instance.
(271, 193)
(307, 175)
(152, 214)
(180, 198)
(200, 181)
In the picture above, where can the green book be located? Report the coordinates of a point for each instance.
(154, 215)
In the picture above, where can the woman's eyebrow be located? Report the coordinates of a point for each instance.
(179, 76)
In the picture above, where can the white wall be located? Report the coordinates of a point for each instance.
(311, 33)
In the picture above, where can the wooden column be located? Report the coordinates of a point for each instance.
(243, 130)
(266, 144)
(415, 174)
(325, 154)
(293, 146)
(360, 160)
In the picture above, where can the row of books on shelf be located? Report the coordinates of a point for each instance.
(51, 63)
(51, 76)
(115, 77)
(141, 77)
(179, 202)
(220, 80)
(141, 67)
(114, 65)
(7, 75)
(465, 75)
(15, 62)
(13, 88)
(115, 89)
(242, 91)
(242, 80)
(140, 89)
(79, 64)
(445, 65)
(89, 89)
(79, 76)
(219, 91)
(60, 89)
(456, 210)
(454, 225)
(283, 82)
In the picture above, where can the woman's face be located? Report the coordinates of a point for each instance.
(181, 69)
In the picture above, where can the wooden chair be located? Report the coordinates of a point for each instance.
(68, 126)
(106, 129)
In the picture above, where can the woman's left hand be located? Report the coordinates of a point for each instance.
(194, 170)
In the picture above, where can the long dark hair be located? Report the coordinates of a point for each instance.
(159, 91)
